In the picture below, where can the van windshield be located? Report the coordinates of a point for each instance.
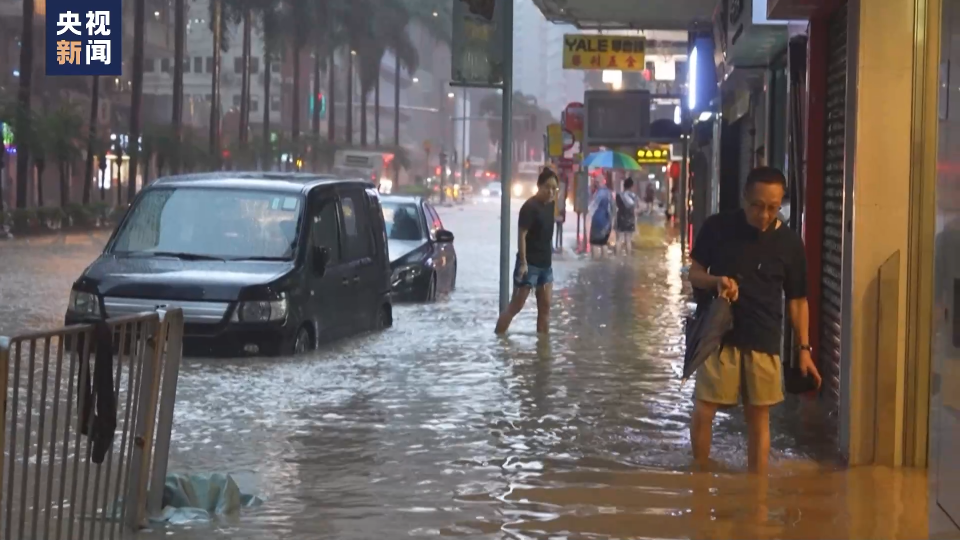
(212, 223)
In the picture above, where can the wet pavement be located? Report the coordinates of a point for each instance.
(438, 428)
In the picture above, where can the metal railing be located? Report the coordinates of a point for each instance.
(54, 426)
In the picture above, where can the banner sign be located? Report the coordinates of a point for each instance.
(84, 37)
(477, 47)
(594, 51)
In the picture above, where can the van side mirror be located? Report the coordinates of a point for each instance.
(444, 236)
(321, 258)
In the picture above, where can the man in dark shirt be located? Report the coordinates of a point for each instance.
(534, 254)
(753, 260)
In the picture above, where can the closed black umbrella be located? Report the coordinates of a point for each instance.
(705, 334)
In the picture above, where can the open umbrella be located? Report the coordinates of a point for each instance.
(608, 159)
(705, 335)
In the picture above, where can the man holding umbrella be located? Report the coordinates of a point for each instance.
(753, 260)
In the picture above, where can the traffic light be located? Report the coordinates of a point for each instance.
(483, 8)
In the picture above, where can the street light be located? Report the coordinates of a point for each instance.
(416, 79)
(435, 14)
(354, 53)
(451, 95)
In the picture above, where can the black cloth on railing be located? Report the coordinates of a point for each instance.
(101, 426)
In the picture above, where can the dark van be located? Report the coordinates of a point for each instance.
(260, 263)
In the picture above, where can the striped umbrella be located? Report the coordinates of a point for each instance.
(608, 159)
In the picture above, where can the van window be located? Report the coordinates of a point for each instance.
(357, 238)
(325, 229)
(227, 223)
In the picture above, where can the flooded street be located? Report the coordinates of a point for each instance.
(438, 428)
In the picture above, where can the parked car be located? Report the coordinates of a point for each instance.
(422, 258)
(260, 263)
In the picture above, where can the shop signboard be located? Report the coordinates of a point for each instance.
(653, 155)
(596, 51)
(555, 142)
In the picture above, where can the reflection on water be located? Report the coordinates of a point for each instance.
(439, 428)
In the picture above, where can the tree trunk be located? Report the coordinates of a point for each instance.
(297, 50)
(376, 110)
(396, 122)
(363, 115)
(23, 99)
(136, 98)
(332, 90)
(350, 98)
(215, 83)
(316, 94)
(94, 115)
(267, 102)
(245, 80)
(64, 184)
(40, 166)
(179, 39)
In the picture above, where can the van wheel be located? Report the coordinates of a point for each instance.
(303, 343)
(384, 318)
(431, 292)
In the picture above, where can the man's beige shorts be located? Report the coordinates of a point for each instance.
(732, 373)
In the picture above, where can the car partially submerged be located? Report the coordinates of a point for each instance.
(423, 261)
(260, 263)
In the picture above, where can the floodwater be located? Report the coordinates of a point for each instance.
(438, 428)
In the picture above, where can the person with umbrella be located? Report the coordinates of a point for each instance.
(753, 260)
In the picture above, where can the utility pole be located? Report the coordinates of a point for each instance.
(507, 144)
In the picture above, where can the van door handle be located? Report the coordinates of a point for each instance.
(346, 282)
(356, 280)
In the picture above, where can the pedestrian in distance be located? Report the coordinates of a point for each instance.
(534, 267)
(627, 208)
(755, 261)
(601, 224)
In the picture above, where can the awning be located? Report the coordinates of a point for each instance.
(619, 14)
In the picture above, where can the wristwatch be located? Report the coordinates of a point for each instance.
(807, 348)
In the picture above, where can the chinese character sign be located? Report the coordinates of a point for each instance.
(588, 51)
(84, 37)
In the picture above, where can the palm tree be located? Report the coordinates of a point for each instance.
(62, 128)
(136, 97)
(179, 37)
(387, 29)
(436, 16)
(217, 23)
(270, 24)
(91, 139)
(303, 17)
(38, 144)
(23, 99)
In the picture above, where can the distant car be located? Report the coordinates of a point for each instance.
(260, 263)
(422, 258)
(493, 189)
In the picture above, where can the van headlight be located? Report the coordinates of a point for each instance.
(261, 311)
(485, 192)
(517, 190)
(84, 303)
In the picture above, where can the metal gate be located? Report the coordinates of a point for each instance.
(64, 473)
(833, 204)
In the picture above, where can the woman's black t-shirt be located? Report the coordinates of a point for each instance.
(537, 219)
(767, 266)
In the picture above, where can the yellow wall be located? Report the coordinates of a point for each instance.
(884, 163)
